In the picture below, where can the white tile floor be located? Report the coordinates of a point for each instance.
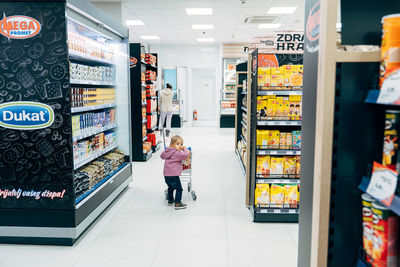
(141, 230)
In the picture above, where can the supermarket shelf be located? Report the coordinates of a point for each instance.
(84, 57)
(144, 120)
(277, 211)
(96, 131)
(152, 129)
(357, 56)
(152, 97)
(244, 124)
(244, 139)
(150, 81)
(373, 96)
(156, 147)
(148, 155)
(278, 123)
(152, 113)
(278, 181)
(98, 186)
(143, 84)
(151, 66)
(277, 92)
(244, 92)
(93, 157)
(282, 152)
(144, 63)
(395, 206)
(95, 107)
(144, 102)
(144, 138)
(244, 109)
(84, 82)
(241, 162)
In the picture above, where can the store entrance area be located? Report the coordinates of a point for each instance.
(139, 229)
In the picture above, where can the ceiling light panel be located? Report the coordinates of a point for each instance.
(199, 11)
(149, 37)
(202, 26)
(205, 39)
(282, 10)
(134, 22)
(269, 26)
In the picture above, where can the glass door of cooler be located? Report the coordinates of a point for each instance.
(228, 91)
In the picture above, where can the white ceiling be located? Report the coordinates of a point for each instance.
(168, 19)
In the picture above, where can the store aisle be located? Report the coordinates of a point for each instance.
(141, 230)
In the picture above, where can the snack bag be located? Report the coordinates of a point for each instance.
(273, 139)
(263, 165)
(262, 195)
(298, 166)
(290, 167)
(289, 141)
(291, 195)
(277, 194)
(296, 139)
(276, 167)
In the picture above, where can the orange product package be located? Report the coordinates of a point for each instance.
(273, 139)
(282, 141)
(263, 165)
(368, 230)
(390, 48)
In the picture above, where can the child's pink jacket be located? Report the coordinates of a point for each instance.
(173, 161)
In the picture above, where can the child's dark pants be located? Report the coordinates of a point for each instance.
(174, 183)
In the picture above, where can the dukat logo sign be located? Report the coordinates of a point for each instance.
(312, 28)
(19, 27)
(132, 62)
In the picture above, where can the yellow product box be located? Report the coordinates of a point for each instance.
(262, 194)
(289, 140)
(296, 80)
(261, 80)
(298, 193)
(285, 108)
(278, 70)
(276, 166)
(271, 107)
(267, 82)
(273, 139)
(290, 167)
(288, 73)
(274, 80)
(298, 166)
(281, 81)
(263, 71)
(291, 193)
(263, 165)
(279, 107)
(298, 69)
(296, 98)
(277, 194)
(282, 141)
(262, 138)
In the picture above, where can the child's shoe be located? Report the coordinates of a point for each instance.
(170, 202)
(180, 206)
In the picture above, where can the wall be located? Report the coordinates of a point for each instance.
(193, 57)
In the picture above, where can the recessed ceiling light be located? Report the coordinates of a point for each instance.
(282, 10)
(205, 39)
(269, 26)
(134, 22)
(202, 26)
(199, 11)
(149, 37)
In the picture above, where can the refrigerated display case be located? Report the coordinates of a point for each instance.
(72, 69)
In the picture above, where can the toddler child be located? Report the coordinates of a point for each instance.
(173, 156)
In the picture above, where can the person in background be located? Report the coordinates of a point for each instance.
(173, 156)
(166, 96)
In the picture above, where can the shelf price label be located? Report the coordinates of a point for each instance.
(383, 184)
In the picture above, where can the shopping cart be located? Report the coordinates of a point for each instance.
(186, 175)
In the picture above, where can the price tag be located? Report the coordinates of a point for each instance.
(292, 211)
(274, 152)
(277, 211)
(289, 153)
(270, 93)
(383, 185)
(390, 90)
(282, 123)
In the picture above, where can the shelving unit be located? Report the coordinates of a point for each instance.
(68, 199)
(270, 212)
(140, 98)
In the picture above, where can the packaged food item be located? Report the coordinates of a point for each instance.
(276, 167)
(298, 166)
(390, 49)
(263, 165)
(273, 139)
(296, 137)
(291, 195)
(277, 194)
(282, 141)
(290, 167)
(262, 195)
(262, 138)
(285, 109)
(267, 81)
(289, 141)
(279, 108)
(271, 108)
(288, 73)
(298, 193)
(385, 240)
(278, 70)
(274, 81)
(368, 230)
(391, 139)
(298, 69)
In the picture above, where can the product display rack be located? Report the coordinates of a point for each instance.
(332, 225)
(139, 100)
(281, 212)
(241, 114)
(79, 74)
